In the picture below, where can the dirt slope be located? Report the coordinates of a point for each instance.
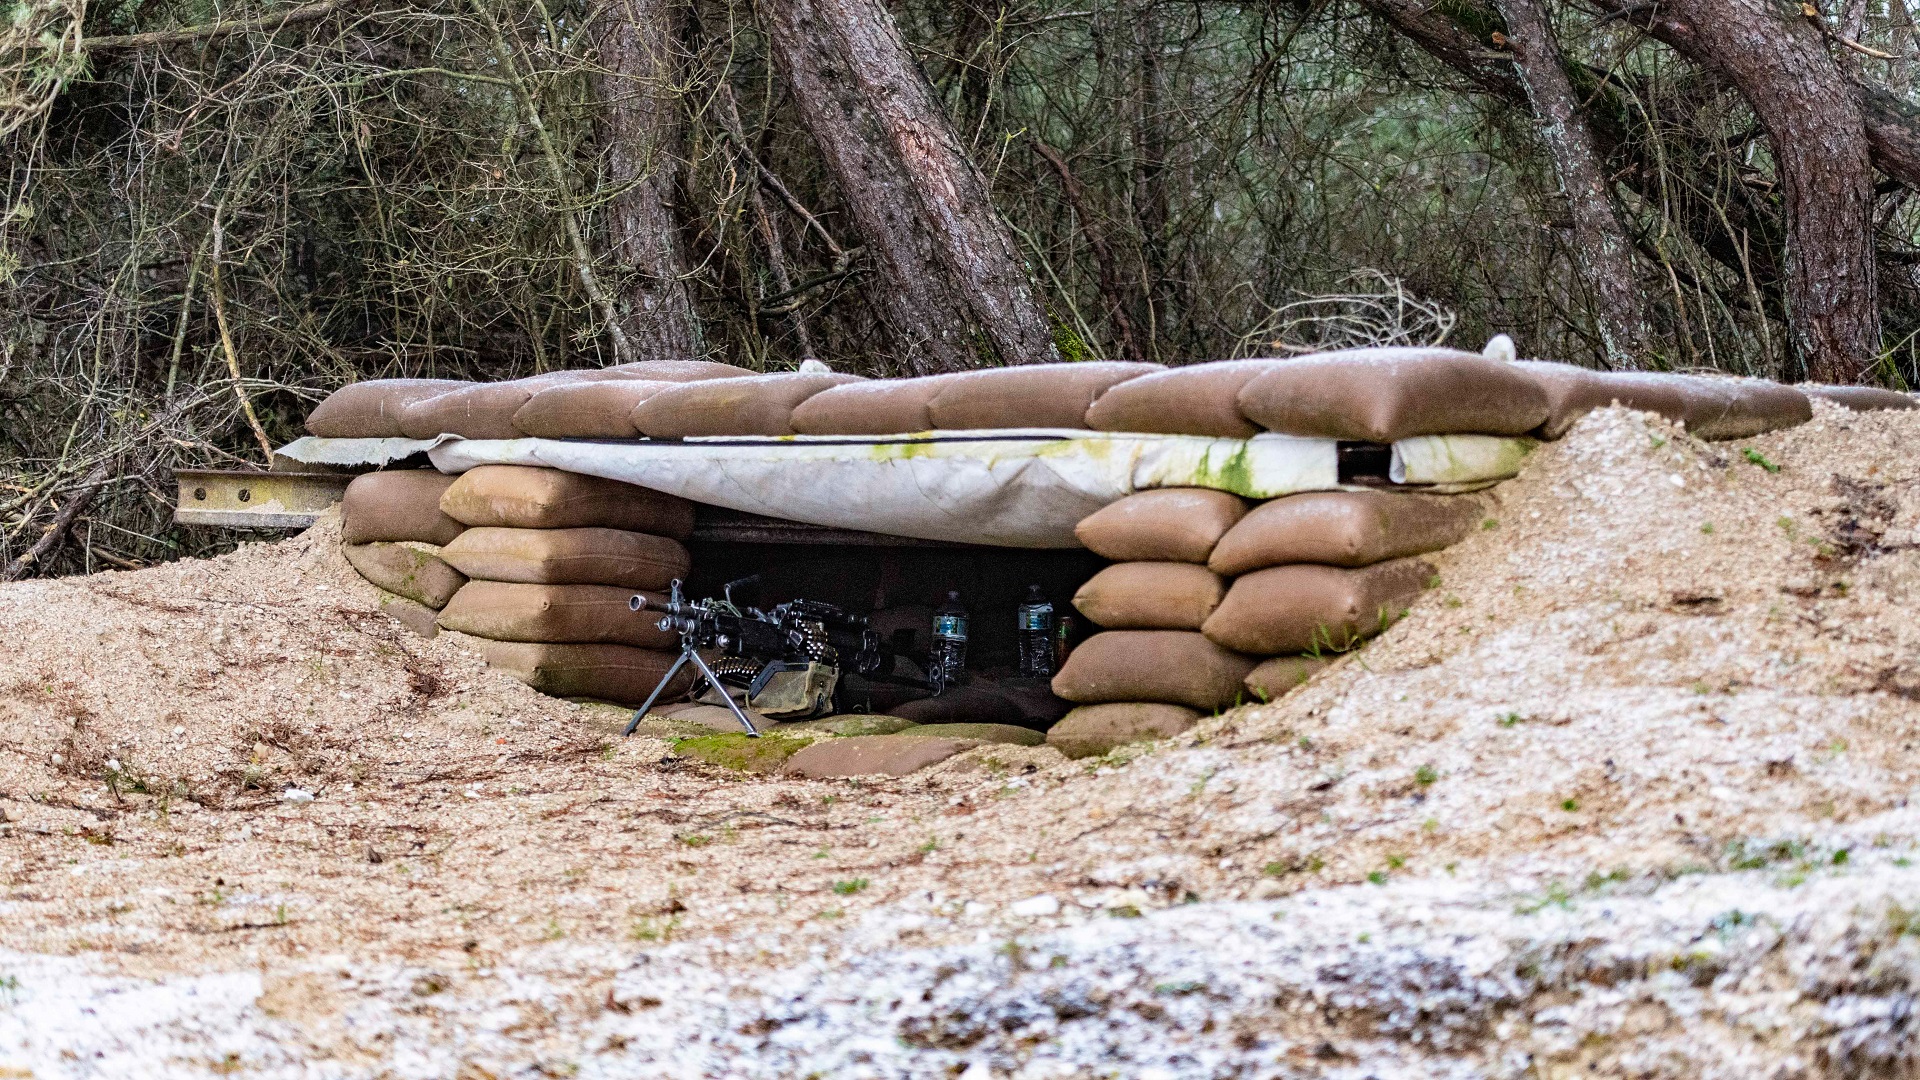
(1628, 790)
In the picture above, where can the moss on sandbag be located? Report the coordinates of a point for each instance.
(741, 752)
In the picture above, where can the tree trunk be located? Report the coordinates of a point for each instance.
(1811, 112)
(1822, 128)
(953, 285)
(639, 117)
(1152, 199)
(1601, 247)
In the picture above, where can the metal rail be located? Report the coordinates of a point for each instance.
(245, 499)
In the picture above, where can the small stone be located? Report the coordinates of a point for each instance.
(296, 795)
(975, 908)
(179, 729)
(1036, 907)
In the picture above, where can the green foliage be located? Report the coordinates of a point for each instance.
(1071, 346)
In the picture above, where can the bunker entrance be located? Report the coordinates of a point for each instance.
(900, 584)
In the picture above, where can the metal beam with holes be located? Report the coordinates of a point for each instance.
(244, 499)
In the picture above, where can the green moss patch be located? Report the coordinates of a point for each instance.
(741, 753)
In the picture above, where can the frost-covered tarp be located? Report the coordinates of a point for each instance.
(1015, 488)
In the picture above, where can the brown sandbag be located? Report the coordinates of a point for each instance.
(1150, 596)
(588, 410)
(621, 674)
(682, 371)
(411, 614)
(408, 569)
(1092, 730)
(868, 755)
(978, 704)
(604, 409)
(756, 405)
(1573, 392)
(1380, 395)
(1199, 399)
(629, 560)
(876, 407)
(1344, 528)
(1721, 408)
(573, 614)
(1308, 608)
(1029, 396)
(530, 497)
(403, 504)
(1859, 398)
(1282, 675)
(371, 409)
(485, 410)
(1174, 667)
(1167, 525)
(1003, 734)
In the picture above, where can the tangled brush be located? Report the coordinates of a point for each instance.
(40, 49)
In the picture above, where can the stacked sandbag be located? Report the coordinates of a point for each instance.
(371, 409)
(603, 409)
(1860, 398)
(1370, 395)
(1383, 395)
(1028, 396)
(486, 410)
(1210, 603)
(392, 533)
(1151, 605)
(753, 405)
(553, 558)
(538, 565)
(1319, 572)
(1709, 407)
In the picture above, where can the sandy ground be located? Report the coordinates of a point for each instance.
(1626, 795)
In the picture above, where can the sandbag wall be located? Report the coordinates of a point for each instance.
(536, 564)
(1209, 599)
(1209, 602)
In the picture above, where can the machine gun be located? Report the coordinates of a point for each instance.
(808, 642)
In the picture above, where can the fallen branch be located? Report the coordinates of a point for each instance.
(50, 538)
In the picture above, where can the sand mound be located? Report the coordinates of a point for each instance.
(224, 682)
(1626, 795)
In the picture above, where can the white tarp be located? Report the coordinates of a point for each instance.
(1451, 461)
(1017, 488)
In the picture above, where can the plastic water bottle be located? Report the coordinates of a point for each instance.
(1036, 634)
(950, 639)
